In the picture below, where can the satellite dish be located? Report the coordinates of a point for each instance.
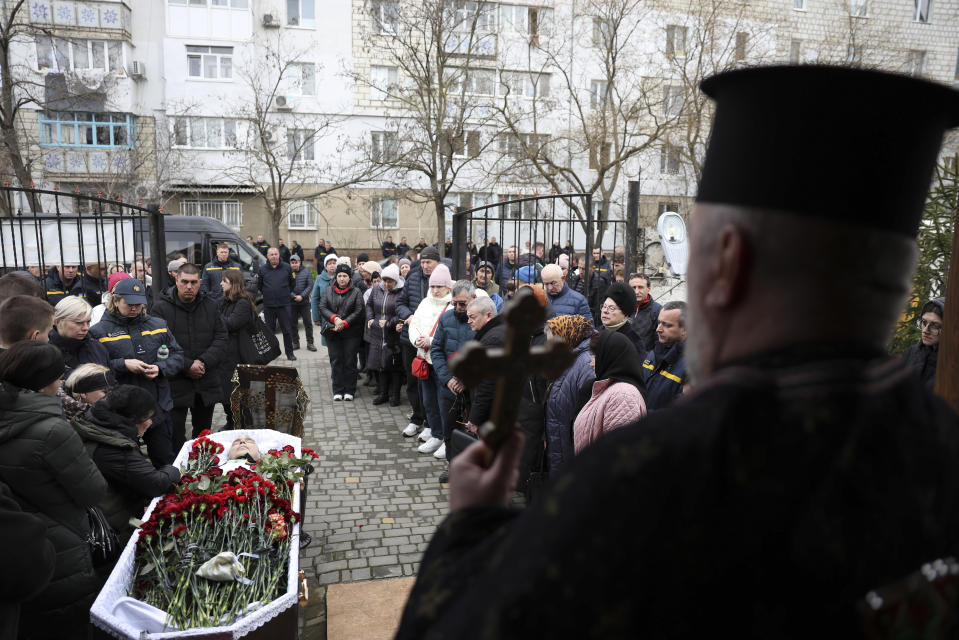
(672, 235)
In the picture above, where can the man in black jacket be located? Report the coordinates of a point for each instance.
(924, 355)
(491, 332)
(213, 271)
(194, 320)
(60, 286)
(261, 244)
(276, 283)
(646, 316)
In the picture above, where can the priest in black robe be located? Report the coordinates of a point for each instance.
(805, 468)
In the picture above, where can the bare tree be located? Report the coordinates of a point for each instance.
(440, 54)
(279, 145)
(581, 108)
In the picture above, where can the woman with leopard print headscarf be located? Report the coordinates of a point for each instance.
(562, 403)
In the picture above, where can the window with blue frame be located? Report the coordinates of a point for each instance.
(86, 129)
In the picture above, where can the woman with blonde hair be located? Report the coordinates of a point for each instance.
(85, 385)
(70, 334)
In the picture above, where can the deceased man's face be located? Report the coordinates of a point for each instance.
(243, 447)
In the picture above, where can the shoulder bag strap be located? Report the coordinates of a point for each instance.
(436, 324)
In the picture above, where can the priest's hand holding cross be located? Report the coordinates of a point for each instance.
(486, 472)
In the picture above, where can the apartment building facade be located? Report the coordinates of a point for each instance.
(319, 119)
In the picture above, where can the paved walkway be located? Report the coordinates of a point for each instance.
(373, 502)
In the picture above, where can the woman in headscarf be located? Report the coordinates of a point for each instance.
(617, 393)
(562, 400)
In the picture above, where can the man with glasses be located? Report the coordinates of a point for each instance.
(564, 300)
(923, 355)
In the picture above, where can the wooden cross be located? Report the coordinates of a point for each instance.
(511, 364)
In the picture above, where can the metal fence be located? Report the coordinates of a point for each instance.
(49, 229)
(536, 219)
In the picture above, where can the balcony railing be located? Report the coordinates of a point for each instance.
(82, 14)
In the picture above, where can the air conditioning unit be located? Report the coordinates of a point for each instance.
(137, 69)
(267, 135)
(269, 20)
(283, 103)
(144, 191)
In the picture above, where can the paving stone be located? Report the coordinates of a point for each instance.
(367, 474)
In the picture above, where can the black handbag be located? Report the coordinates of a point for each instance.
(104, 544)
(459, 440)
(258, 345)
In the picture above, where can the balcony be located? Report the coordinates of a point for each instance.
(82, 14)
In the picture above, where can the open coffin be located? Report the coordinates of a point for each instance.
(117, 614)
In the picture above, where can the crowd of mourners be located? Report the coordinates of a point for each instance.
(395, 324)
(97, 379)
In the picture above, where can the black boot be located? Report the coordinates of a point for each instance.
(395, 382)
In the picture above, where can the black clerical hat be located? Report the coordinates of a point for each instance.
(846, 144)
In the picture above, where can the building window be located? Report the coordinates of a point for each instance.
(915, 62)
(383, 81)
(524, 145)
(603, 159)
(57, 54)
(383, 146)
(742, 39)
(668, 206)
(204, 133)
(464, 145)
(229, 212)
(795, 51)
(921, 11)
(669, 159)
(233, 4)
(301, 79)
(85, 129)
(384, 213)
(853, 56)
(299, 145)
(210, 63)
(675, 40)
(522, 83)
(857, 8)
(673, 101)
(300, 214)
(479, 82)
(602, 33)
(528, 21)
(472, 28)
(597, 92)
(799, 5)
(386, 14)
(300, 13)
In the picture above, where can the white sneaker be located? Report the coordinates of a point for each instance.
(430, 445)
(440, 454)
(411, 430)
(337, 396)
(425, 434)
(348, 397)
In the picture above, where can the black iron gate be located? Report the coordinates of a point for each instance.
(534, 220)
(65, 229)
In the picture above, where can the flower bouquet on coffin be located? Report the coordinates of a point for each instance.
(220, 545)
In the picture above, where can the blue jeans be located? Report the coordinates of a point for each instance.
(431, 404)
(342, 349)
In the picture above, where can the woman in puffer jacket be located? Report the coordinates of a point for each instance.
(133, 339)
(422, 326)
(342, 307)
(381, 322)
(112, 430)
(562, 400)
(617, 395)
(50, 475)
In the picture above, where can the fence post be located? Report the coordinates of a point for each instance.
(158, 251)
(459, 243)
(632, 226)
(589, 242)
